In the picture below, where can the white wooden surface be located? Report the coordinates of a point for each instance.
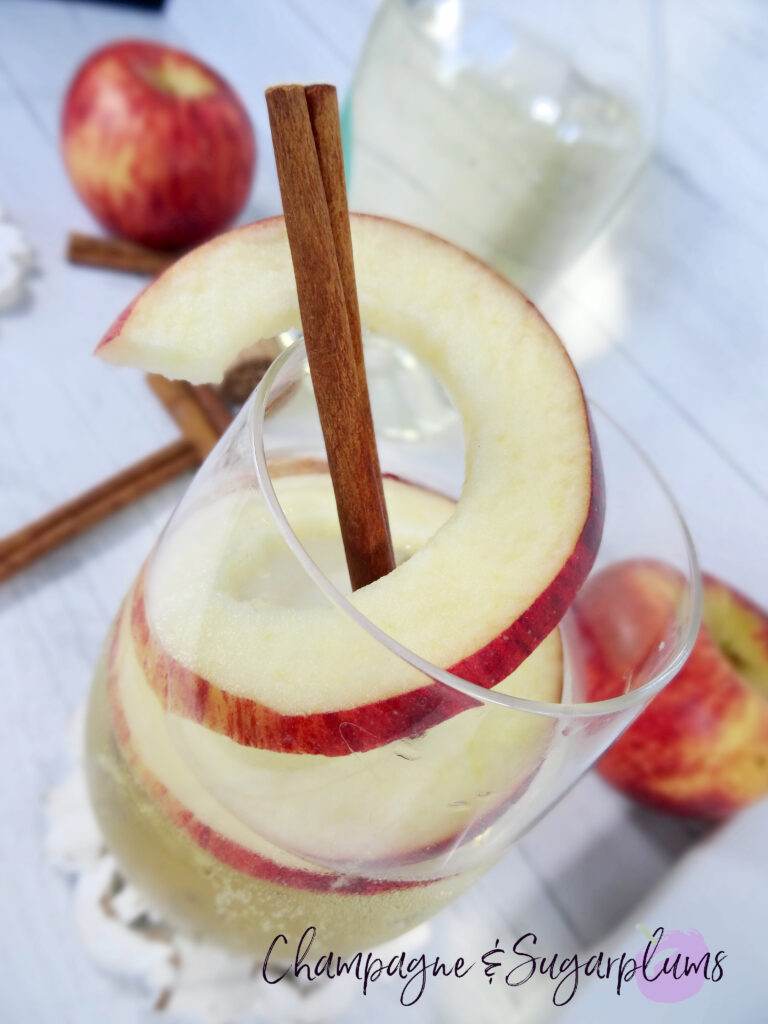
(666, 316)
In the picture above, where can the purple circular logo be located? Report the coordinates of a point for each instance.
(673, 966)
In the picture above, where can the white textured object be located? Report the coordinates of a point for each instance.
(17, 261)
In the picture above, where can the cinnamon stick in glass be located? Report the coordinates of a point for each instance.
(307, 141)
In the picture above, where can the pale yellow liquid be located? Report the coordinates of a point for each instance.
(361, 846)
(194, 890)
(519, 160)
(208, 899)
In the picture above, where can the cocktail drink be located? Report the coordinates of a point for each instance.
(243, 843)
(268, 752)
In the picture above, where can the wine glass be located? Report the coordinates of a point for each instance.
(248, 823)
(513, 129)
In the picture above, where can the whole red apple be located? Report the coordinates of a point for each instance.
(157, 144)
(700, 748)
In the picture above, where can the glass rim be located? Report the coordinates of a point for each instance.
(296, 354)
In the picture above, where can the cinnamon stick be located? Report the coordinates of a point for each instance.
(248, 369)
(326, 131)
(116, 254)
(198, 411)
(215, 410)
(202, 418)
(74, 517)
(310, 172)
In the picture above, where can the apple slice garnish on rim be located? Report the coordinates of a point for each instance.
(497, 576)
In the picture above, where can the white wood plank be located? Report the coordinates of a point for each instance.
(42, 42)
(599, 855)
(679, 278)
(686, 299)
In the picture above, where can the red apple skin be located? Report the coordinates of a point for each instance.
(226, 850)
(364, 727)
(251, 863)
(504, 653)
(352, 730)
(157, 144)
(700, 748)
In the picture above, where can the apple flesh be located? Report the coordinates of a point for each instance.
(497, 576)
(225, 568)
(157, 144)
(226, 563)
(140, 731)
(281, 816)
(397, 797)
(206, 879)
(700, 748)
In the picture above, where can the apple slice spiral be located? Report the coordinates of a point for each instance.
(482, 592)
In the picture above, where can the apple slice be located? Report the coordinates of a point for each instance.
(700, 748)
(494, 580)
(140, 728)
(205, 871)
(225, 569)
(397, 803)
(496, 748)
(417, 797)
